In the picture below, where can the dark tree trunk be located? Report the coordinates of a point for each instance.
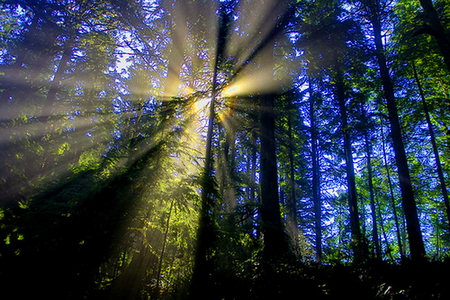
(383, 232)
(391, 192)
(417, 247)
(254, 193)
(315, 176)
(291, 202)
(435, 28)
(253, 170)
(434, 145)
(203, 267)
(206, 233)
(228, 166)
(275, 244)
(357, 237)
(375, 238)
(275, 241)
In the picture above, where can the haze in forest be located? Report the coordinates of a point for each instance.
(233, 149)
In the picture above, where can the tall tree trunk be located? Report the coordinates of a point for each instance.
(372, 201)
(275, 244)
(391, 192)
(203, 267)
(229, 166)
(253, 152)
(357, 237)
(254, 193)
(434, 145)
(417, 247)
(383, 232)
(368, 147)
(375, 238)
(205, 234)
(315, 177)
(291, 202)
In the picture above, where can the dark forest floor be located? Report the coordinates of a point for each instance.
(375, 280)
(287, 280)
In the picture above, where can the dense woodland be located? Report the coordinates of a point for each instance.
(206, 149)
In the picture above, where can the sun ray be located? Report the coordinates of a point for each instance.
(154, 152)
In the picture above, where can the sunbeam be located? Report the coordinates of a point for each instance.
(111, 139)
(224, 149)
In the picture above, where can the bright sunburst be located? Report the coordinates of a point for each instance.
(114, 116)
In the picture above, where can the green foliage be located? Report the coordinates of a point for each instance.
(103, 120)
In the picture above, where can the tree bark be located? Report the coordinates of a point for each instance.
(291, 202)
(357, 237)
(203, 267)
(275, 244)
(417, 247)
(229, 166)
(375, 238)
(391, 192)
(434, 145)
(435, 28)
(316, 194)
(315, 176)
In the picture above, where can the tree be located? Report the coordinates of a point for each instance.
(414, 233)
(315, 175)
(433, 25)
(368, 150)
(424, 57)
(434, 145)
(291, 152)
(173, 149)
(335, 34)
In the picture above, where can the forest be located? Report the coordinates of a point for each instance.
(225, 149)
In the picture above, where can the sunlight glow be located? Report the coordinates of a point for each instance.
(260, 81)
(200, 104)
(104, 127)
